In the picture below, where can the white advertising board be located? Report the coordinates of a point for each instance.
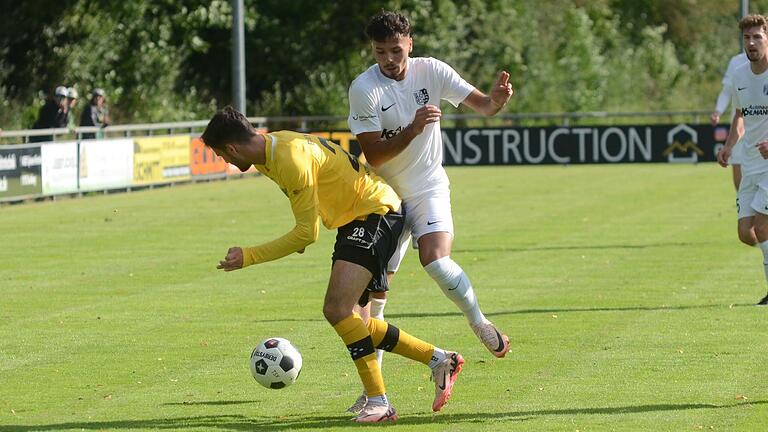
(106, 164)
(59, 170)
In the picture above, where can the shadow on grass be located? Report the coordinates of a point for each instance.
(563, 310)
(214, 403)
(240, 422)
(391, 316)
(576, 247)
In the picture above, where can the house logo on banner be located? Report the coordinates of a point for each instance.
(682, 145)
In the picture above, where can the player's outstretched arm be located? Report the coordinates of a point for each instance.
(496, 99)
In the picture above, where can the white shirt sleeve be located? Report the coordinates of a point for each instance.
(363, 116)
(724, 97)
(454, 88)
(735, 96)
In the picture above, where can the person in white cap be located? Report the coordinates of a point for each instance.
(54, 114)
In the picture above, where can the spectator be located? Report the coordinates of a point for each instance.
(54, 114)
(95, 114)
(72, 96)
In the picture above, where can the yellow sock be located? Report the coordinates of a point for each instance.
(355, 335)
(390, 338)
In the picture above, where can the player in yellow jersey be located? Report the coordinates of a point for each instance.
(324, 182)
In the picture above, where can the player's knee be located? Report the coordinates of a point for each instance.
(430, 255)
(334, 313)
(443, 270)
(747, 236)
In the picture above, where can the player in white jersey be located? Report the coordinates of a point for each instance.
(723, 100)
(395, 114)
(750, 98)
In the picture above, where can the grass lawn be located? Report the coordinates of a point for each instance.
(628, 298)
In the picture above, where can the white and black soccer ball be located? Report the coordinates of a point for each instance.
(275, 363)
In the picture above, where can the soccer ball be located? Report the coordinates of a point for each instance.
(275, 363)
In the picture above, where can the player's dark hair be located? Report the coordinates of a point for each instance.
(754, 20)
(386, 25)
(228, 126)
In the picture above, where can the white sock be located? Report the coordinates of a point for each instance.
(437, 357)
(377, 311)
(456, 286)
(378, 400)
(764, 247)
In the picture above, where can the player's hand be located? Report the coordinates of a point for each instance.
(715, 118)
(762, 147)
(723, 155)
(233, 260)
(502, 90)
(424, 116)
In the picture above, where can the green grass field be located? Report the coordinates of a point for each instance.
(624, 288)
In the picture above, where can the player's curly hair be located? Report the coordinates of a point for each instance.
(228, 126)
(385, 25)
(754, 20)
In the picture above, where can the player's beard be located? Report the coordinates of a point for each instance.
(392, 72)
(395, 71)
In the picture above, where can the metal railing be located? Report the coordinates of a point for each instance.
(328, 122)
(128, 130)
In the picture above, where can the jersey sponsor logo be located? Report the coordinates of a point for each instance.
(740, 88)
(755, 110)
(421, 96)
(359, 117)
(384, 109)
(389, 133)
(433, 222)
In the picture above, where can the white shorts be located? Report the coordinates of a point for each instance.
(752, 197)
(737, 154)
(424, 214)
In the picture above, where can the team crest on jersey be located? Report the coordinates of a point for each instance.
(422, 97)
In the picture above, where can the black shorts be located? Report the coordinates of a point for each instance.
(370, 243)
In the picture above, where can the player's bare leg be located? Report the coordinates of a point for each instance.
(347, 283)
(736, 174)
(746, 231)
(374, 308)
(434, 254)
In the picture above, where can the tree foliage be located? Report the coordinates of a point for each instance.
(164, 60)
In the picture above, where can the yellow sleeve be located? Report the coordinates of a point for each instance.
(298, 183)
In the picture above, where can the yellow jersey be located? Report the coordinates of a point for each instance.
(322, 182)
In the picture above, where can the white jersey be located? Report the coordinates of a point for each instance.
(750, 95)
(725, 96)
(380, 104)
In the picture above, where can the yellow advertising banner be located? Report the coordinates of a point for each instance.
(161, 159)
